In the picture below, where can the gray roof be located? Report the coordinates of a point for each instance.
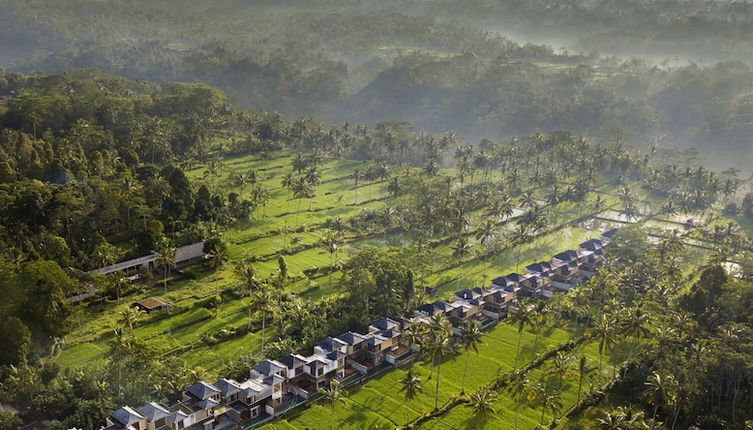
(376, 340)
(385, 323)
(330, 344)
(182, 254)
(207, 404)
(269, 367)
(176, 417)
(351, 338)
(292, 360)
(228, 387)
(153, 411)
(126, 416)
(203, 390)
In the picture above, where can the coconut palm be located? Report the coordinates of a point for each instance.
(301, 188)
(439, 346)
(657, 391)
(415, 335)
(670, 246)
(395, 187)
(562, 368)
(518, 388)
(411, 384)
(521, 316)
(582, 369)
(334, 395)
(263, 300)
(482, 403)
(603, 331)
(550, 402)
(129, 189)
(330, 244)
(130, 317)
(460, 250)
(519, 237)
(470, 339)
(165, 258)
(501, 208)
(485, 233)
(299, 163)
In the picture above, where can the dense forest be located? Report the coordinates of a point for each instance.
(360, 65)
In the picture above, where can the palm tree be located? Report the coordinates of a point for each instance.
(635, 325)
(552, 403)
(521, 316)
(561, 368)
(670, 246)
(299, 163)
(519, 237)
(501, 208)
(470, 339)
(483, 235)
(130, 189)
(329, 243)
(334, 395)
(623, 419)
(460, 250)
(130, 317)
(395, 187)
(439, 346)
(527, 200)
(603, 331)
(411, 384)
(165, 258)
(482, 403)
(357, 176)
(582, 369)
(657, 386)
(538, 320)
(518, 388)
(301, 188)
(415, 335)
(263, 300)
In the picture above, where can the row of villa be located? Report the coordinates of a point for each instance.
(276, 386)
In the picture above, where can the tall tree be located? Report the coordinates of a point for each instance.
(470, 339)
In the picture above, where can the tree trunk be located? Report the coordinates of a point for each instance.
(465, 371)
(263, 326)
(517, 350)
(436, 391)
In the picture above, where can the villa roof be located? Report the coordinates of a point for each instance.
(610, 233)
(352, 338)
(176, 416)
(153, 411)
(202, 390)
(568, 255)
(331, 344)
(269, 367)
(228, 387)
(385, 323)
(376, 340)
(467, 294)
(540, 267)
(207, 404)
(126, 416)
(592, 244)
(292, 360)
